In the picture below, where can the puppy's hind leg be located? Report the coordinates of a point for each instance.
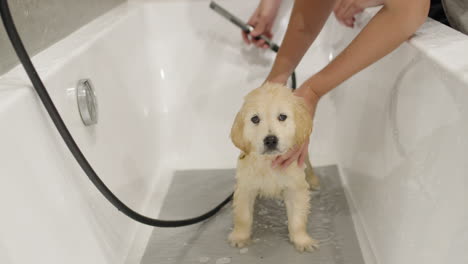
(243, 206)
(297, 206)
(311, 177)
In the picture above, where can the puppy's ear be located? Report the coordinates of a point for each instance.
(237, 133)
(303, 121)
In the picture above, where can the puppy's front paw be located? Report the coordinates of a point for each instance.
(304, 242)
(239, 239)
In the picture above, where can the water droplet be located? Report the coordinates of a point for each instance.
(278, 203)
(204, 259)
(224, 260)
(263, 212)
(244, 250)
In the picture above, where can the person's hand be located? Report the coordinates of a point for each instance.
(345, 10)
(299, 153)
(262, 20)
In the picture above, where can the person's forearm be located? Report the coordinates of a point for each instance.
(307, 19)
(389, 28)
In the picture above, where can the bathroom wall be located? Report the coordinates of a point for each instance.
(457, 14)
(44, 22)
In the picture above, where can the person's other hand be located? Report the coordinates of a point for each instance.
(299, 153)
(345, 10)
(262, 20)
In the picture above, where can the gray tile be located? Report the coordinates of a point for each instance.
(457, 14)
(194, 192)
(41, 23)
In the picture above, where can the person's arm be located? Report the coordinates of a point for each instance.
(306, 22)
(345, 10)
(262, 20)
(388, 29)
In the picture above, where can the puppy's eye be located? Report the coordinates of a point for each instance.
(282, 117)
(255, 119)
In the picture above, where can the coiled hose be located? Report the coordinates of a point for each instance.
(70, 142)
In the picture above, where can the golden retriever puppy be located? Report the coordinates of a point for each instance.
(271, 121)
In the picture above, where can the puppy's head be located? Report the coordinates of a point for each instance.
(271, 121)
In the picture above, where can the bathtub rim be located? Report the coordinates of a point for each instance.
(426, 40)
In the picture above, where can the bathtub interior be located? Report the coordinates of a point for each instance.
(197, 100)
(167, 94)
(208, 53)
(170, 76)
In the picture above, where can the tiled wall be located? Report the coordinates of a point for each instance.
(44, 22)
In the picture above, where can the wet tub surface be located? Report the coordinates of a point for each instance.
(194, 192)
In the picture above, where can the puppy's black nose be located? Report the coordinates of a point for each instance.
(270, 142)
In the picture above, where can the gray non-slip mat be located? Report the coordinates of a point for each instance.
(194, 192)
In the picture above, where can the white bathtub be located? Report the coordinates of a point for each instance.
(170, 76)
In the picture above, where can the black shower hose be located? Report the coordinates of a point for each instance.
(70, 142)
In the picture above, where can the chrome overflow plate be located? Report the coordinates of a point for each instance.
(87, 102)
